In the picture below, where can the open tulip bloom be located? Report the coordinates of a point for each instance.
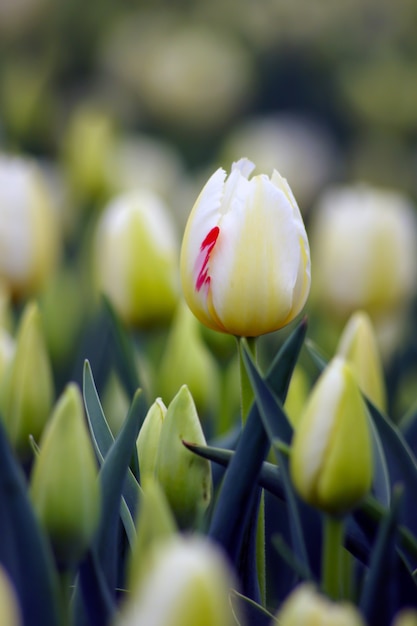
(245, 258)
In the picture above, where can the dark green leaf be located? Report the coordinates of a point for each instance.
(233, 506)
(103, 440)
(402, 465)
(248, 611)
(106, 550)
(278, 428)
(376, 599)
(24, 550)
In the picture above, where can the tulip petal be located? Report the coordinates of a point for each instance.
(256, 259)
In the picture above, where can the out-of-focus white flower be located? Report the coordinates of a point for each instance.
(189, 583)
(364, 251)
(307, 607)
(297, 147)
(136, 258)
(28, 227)
(140, 161)
(183, 73)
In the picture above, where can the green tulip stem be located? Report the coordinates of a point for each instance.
(246, 392)
(332, 571)
(66, 584)
(246, 399)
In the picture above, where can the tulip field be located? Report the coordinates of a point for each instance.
(208, 296)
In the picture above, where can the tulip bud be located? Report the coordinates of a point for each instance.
(358, 346)
(187, 360)
(148, 438)
(189, 583)
(64, 485)
(28, 229)
(26, 392)
(10, 614)
(331, 460)
(184, 476)
(364, 249)
(307, 607)
(136, 258)
(245, 260)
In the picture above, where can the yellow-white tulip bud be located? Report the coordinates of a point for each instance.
(137, 258)
(188, 584)
(364, 250)
(64, 487)
(10, 613)
(28, 228)
(245, 260)
(148, 439)
(358, 345)
(184, 476)
(306, 607)
(26, 389)
(331, 459)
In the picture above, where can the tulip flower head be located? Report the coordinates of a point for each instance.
(331, 459)
(245, 258)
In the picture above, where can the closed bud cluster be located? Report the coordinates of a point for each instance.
(185, 478)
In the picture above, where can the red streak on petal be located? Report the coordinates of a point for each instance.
(207, 246)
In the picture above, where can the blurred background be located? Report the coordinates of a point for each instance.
(105, 97)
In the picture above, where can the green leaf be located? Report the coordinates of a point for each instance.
(248, 611)
(278, 429)
(367, 516)
(103, 440)
(234, 504)
(105, 552)
(275, 421)
(402, 464)
(24, 549)
(376, 596)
